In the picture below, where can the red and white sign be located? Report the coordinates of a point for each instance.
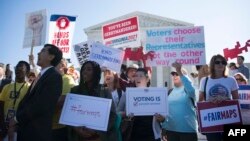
(212, 117)
(123, 33)
(61, 32)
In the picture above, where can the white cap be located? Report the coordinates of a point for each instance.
(133, 66)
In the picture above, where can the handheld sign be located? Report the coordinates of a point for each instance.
(35, 29)
(244, 99)
(123, 33)
(146, 101)
(61, 31)
(82, 51)
(108, 57)
(244, 94)
(186, 45)
(78, 110)
(212, 117)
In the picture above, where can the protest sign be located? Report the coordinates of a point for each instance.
(78, 110)
(82, 51)
(146, 101)
(124, 33)
(244, 99)
(35, 29)
(244, 94)
(108, 57)
(185, 45)
(213, 116)
(61, 31)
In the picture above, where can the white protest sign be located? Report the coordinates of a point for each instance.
(146, 101)
(108, 57)
(244, 94)
(35, 29)
(82, 51)
(124, 33)
(185, 45)
(244, 98)
(78, 110)
(61, 31)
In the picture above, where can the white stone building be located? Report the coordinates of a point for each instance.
(146, 21)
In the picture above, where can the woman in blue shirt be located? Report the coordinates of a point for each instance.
(181, 123)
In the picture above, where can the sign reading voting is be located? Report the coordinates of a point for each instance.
(212, 116)
(78, 110)
(107, 56)
(185, 45)
(146, 101)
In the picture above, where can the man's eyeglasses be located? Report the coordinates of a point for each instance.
(220, 62)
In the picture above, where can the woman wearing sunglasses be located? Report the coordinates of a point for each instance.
(181, 123)
(219, 87)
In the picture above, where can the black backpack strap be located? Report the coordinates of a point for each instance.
(169, 91)
(205, 87)
(192, 100)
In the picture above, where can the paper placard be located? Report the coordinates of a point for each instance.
(80, 110)
(146, 101)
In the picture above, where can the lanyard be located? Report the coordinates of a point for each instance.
(16, 93)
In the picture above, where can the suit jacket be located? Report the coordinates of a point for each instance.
(35, 111)
(3, 83)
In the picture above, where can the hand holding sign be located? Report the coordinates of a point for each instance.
(159, 117)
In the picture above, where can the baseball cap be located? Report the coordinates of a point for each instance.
(133, 66)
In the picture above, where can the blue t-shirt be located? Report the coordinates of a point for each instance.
(182, 114)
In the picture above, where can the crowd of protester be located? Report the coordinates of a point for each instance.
(33, 100)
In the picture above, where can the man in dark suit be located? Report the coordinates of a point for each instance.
(33, 119)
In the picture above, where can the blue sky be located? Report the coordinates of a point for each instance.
(224, 21)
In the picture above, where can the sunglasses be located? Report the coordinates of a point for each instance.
(220, 62)
(239, 79)
(174, 74)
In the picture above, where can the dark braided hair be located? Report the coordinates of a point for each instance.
(96, 76)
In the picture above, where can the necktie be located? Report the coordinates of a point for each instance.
(35, 81)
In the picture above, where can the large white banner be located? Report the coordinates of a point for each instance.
(124, 33)
(108, 57)
(35, 29)
(61, 31)
(78, 110)
(185, 45)
(146, 101)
